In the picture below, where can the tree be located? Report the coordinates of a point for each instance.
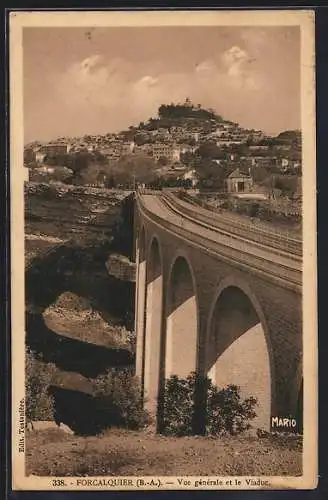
(100, 158)
(80, 161)
(63, 174)
(210, 174)
(140, 168)
(259, 174)
(181, 111)
(209, 150)
(226, 410)
(163, 161)
(287, 185)
(110, 181)
(92, 175)
(187, 158)
(141, 139)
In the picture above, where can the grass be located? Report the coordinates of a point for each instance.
(128, 453)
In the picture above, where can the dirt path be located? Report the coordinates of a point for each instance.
(129, 453)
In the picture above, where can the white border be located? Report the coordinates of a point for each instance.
(303, 18)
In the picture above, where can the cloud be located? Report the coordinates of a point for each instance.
(118, 85)
(234, 59)
(205, 67)
(121, 92)
(121, 79)
(237, 63)
(232, 72)
(88, 63)
(90, 81)
(148, 81)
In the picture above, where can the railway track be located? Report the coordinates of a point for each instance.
(285, 268)
(279, 242)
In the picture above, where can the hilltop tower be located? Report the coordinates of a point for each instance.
(188, 103)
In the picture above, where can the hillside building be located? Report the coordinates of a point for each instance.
(169, 151)
(256, 135)
(228, 142)
(39, 156)
(127, 147)
(261, 161)
(55, 149)
(45, 169)
(29, 155)
(258, 147)
(192, 176)
(238, 182)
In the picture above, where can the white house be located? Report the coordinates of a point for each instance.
(46, 169)
(39, 156)
(238, 182)
(191, 175)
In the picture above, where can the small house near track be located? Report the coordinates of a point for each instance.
(238, 182)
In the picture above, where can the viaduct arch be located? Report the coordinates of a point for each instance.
(238, 345)
(140, 309)
(153, 323)
(223, 313)
(181, 320)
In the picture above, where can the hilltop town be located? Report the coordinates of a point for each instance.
(184, 145)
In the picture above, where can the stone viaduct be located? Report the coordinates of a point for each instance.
(220, 297)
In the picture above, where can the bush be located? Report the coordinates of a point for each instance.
(39, 376)
(252, 209)
(226, 412)
(120, 400)
(179, 405)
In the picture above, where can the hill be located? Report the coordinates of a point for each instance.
(180, 133)
(182, 115)
(289, 135)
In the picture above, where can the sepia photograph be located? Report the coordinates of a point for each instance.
(163, 239)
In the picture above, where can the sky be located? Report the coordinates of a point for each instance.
(81, 81)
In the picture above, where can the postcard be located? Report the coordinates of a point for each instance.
(163, 239)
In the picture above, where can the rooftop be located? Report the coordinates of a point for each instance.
(238, 173)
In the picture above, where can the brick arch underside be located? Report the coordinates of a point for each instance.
(181, 321)
(238, 352)
(140, 306)
(153, 324)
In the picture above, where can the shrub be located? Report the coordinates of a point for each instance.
(120, 400)
(39, 376)
(252, 209)
(226, 411)
(178, 405)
